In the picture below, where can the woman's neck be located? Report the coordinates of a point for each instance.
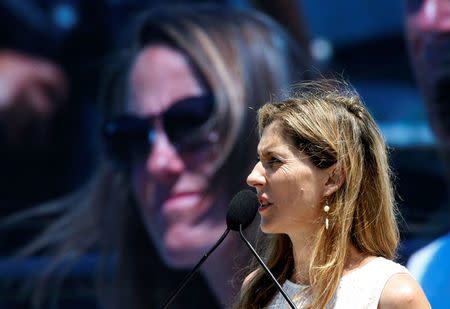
(302, 247)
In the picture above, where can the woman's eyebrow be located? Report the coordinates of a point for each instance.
(264, 151)
(270, 153)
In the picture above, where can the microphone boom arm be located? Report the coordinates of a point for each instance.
(266, 269)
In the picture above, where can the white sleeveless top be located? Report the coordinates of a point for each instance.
(360, 289)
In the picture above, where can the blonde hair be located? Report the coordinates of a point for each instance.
(328, 121)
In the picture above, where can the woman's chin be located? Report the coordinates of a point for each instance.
(178, 255)
(180, 260)
(267, 227)
(181, 244)
(183, 247)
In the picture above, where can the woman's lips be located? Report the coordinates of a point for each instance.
(264, 207)
(185, 204)
(264, 204)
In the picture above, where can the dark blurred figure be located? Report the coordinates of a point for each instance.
(428, 34)
(51, 56)
(30, 91)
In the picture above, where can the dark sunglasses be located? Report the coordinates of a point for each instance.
(129, 138)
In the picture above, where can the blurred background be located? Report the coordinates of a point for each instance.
(364, 41)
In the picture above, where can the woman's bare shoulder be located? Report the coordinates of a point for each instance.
(403, 291)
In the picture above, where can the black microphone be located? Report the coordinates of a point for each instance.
(241, 212)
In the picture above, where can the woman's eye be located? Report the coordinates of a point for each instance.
(272, 162)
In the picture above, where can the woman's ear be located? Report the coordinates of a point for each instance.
(336, 177)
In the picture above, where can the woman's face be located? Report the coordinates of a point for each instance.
(290, 188)
(170, 184)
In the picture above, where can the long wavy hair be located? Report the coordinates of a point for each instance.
(327, 120)
(243, 57)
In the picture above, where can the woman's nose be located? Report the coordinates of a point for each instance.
(164, 161)
(257, 177)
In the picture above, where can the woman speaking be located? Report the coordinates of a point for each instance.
(327, 206)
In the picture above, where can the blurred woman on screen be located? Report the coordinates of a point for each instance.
(179, 109)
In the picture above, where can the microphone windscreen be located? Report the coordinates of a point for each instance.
(242, 210)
